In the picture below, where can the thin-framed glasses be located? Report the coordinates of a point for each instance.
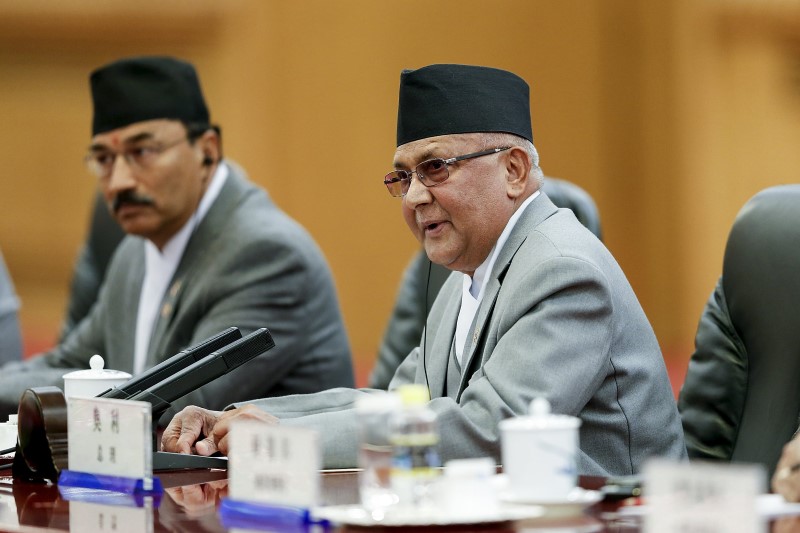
(430, 173)
(142, 156)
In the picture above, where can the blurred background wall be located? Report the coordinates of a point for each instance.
(671, 114)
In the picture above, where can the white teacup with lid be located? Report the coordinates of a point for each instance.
(96, 380)
(540, 453)
(8, 433)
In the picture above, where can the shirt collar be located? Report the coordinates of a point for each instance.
(174, 248)
(475, 284)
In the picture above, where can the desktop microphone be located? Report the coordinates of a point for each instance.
(177, 362)
(218, 363)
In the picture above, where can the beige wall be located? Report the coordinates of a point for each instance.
(671, 114)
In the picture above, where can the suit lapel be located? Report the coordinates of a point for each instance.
(536, 212)
(192, 260)
(129, 290)
(437, 352)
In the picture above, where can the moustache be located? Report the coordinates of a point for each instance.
(130, 198)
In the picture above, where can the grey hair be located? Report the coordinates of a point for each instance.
(496, 139)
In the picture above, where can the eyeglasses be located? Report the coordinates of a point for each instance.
(430, 173)
(140, 157)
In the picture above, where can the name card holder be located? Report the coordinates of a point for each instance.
(116, 518)
(702, 497)
(273, 476)
(110, 446)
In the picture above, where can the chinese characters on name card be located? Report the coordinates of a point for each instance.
(110, 437)
(702, 497)
(274, 464)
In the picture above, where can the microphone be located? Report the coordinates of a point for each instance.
(177, 362)
(216, 364)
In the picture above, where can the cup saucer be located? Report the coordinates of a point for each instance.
(574, 503)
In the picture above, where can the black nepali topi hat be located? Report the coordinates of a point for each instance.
(145, 88)
(447, 99)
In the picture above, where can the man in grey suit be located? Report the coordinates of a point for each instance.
(205, 250)
(536, 307)
(10, 335)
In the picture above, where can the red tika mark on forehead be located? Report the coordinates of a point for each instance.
(115, 140)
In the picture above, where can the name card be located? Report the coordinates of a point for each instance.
(273, 464)
(702, 497)
(90, 516)
(8, 508)
(111, 437)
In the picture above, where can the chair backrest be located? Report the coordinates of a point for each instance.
(566, 194)
(741, 397)
(102, 240)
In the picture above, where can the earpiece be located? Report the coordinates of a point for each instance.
(207, 161)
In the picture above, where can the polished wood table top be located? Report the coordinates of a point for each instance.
(192, 499)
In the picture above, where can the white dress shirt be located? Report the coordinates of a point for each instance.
(160, 266)
(472, 288)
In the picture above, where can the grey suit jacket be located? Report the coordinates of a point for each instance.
(422, 280)
(558, 319)
(10, 334)
(248, 265)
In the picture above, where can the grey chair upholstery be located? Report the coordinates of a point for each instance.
(422, 280)
(90, 268)
(10, 332)
(741, 397)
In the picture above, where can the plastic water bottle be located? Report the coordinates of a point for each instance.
(375, 412)
(415, 440)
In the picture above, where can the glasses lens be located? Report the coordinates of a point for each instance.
(100, 163)
(432, 171)
(397, 182)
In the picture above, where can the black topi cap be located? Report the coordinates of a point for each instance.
(145, 88)
(447, 99)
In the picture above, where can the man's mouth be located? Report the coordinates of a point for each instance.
(431, 226)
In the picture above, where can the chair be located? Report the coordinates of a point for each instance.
(741, 397)
(90, 267)
(10, 333)
(422, 280)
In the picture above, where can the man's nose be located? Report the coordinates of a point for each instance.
(417, 194)
(121, 177)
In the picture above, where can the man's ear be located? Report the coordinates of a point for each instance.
(209, 148)
(518, 169)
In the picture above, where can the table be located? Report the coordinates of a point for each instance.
(192, 496)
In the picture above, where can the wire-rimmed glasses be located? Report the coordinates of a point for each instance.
(430, 173)
(100, 161)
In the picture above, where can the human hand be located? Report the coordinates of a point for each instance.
(187, 428)
(184, 432)
(786, 480)
(199, 499)
(786, 524)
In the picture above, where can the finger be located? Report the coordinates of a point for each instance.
(191, 423)
(222, 444)
(169, 440)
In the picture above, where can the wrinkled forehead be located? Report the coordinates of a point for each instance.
(443, 146)
(157, 129)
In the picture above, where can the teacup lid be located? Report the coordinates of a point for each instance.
(96, 371)
(541, 417)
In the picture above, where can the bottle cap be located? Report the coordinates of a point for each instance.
(373, 403)
(413, 394)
